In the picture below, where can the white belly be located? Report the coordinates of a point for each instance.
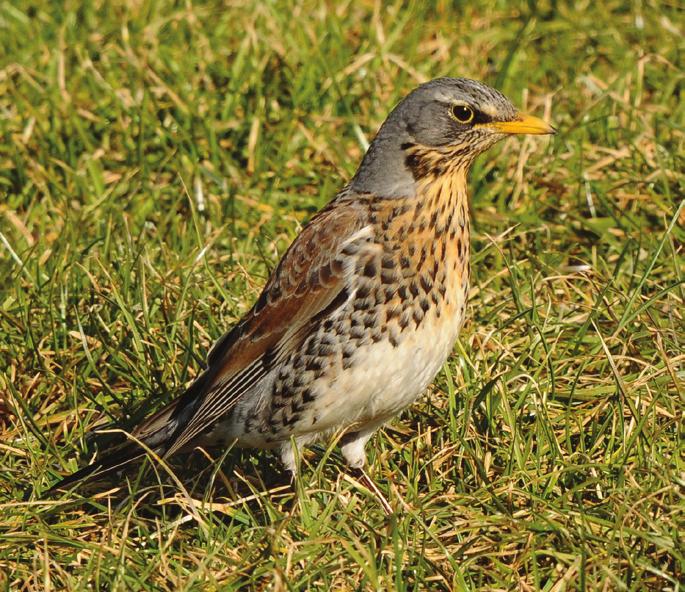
(385, 379)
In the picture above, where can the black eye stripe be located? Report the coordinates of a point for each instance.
(481, 117)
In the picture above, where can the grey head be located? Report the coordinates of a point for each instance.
(451, 118)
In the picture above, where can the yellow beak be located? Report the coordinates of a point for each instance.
(523, 124)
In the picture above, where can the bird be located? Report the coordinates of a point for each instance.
(364, 307)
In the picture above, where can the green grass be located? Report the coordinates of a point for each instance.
(156, 158)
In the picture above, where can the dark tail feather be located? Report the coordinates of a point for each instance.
(157, 432)
(101, 467)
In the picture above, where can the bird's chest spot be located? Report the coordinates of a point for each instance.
(386, 378)
(425, 262)
(408, 307)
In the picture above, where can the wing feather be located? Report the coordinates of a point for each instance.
(312, 279)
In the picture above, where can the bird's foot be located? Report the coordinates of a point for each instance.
(366, 481)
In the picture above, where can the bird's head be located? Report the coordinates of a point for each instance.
(439, 127)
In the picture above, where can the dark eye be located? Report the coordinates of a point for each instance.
(461, 113)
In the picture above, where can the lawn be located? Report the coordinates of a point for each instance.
(156, 159)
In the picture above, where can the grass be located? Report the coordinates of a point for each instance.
(157, 157)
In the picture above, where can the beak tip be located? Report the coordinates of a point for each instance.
(525, 124)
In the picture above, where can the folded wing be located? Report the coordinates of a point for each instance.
(312, 280)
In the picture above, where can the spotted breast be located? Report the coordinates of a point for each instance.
(381, 346)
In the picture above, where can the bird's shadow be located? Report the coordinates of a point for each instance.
(226, 483)
(250, 481)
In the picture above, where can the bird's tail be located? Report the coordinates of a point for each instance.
(156, 434)
(105, 465)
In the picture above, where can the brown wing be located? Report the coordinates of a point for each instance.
(311, 280)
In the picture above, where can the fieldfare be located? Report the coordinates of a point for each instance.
(364, 307)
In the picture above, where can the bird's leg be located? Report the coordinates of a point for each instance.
(353, 451)
(290, 453)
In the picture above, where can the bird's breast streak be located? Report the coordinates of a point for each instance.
(426, 257)
(376, 354)
(383, 349)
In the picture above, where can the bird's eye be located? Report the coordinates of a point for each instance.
(461, 113)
